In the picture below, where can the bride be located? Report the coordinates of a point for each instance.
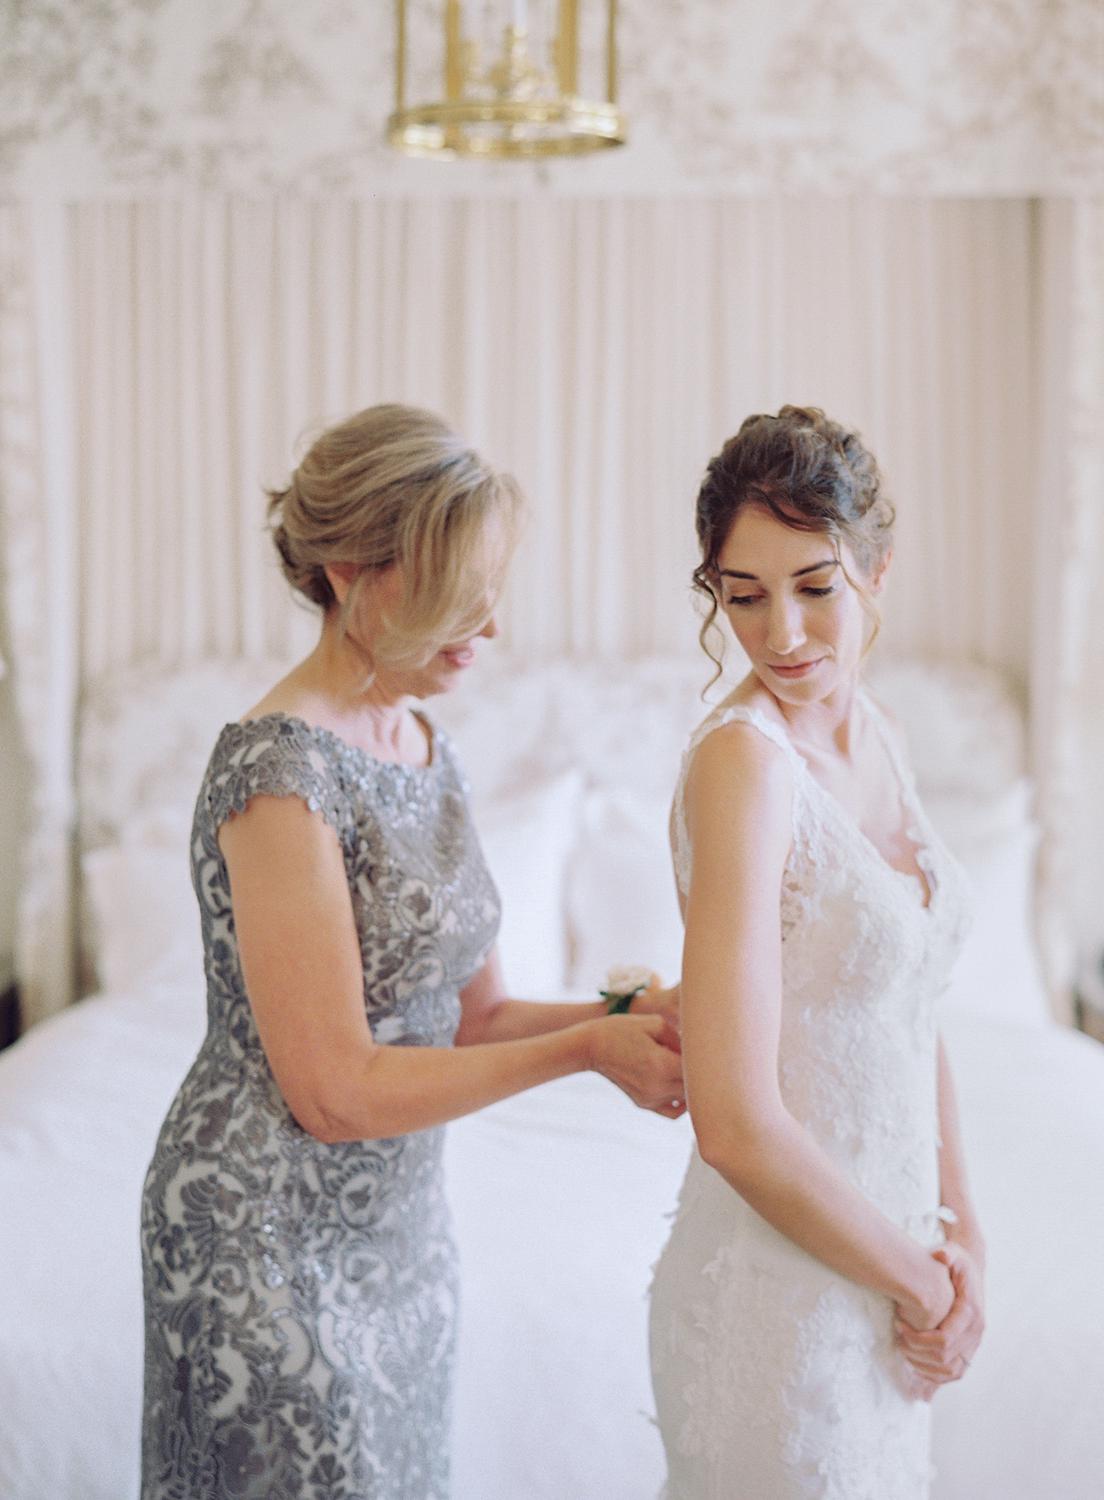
(824, 1273)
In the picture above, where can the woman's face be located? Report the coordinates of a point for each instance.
(790, 606)
(447, 666)
(384, 598)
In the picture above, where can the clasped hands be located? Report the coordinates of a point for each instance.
(640, 1051)
(935, 1356)
(939, 1355)
(657, 1001)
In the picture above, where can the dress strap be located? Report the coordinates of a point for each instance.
(747, 714)
(891, 742)
(917, 829)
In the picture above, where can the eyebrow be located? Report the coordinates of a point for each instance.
(829, 562)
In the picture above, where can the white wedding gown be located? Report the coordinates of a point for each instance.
(775, 1377)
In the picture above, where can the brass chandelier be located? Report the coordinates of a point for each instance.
(510, 75)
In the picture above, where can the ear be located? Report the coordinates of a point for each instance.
(878, 580)
(341, 576)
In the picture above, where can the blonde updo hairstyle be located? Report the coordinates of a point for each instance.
(811, 474)
(395, 485)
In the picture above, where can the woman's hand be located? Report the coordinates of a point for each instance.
(927, 1308)
(657, 1001)
(632, 1052)
(943, 1353)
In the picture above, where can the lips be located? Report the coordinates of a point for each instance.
(799, 669)
(459, 656)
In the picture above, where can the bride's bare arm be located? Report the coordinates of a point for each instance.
(953, 1187)
(301, 962)
(944, 1354)
(738, 807)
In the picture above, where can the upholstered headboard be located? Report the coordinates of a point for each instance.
(571, 766)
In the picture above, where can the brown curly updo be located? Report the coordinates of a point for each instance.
(395, 485)
(813, 475)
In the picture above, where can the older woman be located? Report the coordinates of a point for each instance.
(300, 1277)
(808, 1304)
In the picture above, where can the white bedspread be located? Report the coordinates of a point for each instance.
(560, 1198)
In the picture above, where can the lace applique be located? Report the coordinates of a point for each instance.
(301, 1297)
(275, 756)
(773, 1375)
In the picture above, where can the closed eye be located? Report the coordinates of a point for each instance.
(745, 599)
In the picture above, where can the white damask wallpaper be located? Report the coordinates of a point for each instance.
(948, 96)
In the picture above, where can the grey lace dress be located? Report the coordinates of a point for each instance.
(301, 1298)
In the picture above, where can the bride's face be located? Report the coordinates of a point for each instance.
(800, 622)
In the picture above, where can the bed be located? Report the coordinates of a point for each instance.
(560, 1195)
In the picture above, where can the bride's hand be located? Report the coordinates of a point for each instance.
(944, 1353)
(633, 1052)
(933, 1301)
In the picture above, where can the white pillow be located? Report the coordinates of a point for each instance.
(144, 914)
(964, 727)
(971, 821)
(622, 907)
(526, 839)
(997, 975)
(145, 918)
(500, 729)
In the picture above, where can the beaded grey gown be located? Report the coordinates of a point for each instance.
(301, 1298)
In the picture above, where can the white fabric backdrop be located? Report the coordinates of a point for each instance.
(602, 350)
(38, 527)
(1067, 541)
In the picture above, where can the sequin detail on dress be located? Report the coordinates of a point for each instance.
(300, 1298)
(773, 1375)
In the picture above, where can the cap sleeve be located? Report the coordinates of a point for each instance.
(272, 756)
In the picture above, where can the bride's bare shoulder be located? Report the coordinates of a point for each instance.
(739, 760)
(754, 736)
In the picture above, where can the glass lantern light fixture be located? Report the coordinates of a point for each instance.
(509, 74)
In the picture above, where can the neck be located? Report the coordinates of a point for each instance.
(829, 725)
(336, 671)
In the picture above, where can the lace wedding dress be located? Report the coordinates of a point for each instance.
(775, 1377)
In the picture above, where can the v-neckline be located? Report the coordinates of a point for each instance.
(923, 883)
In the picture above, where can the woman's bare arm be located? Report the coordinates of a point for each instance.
(490, 1015)
(738, 803)
(944, 1354)
(301, 963)
(953, 1187)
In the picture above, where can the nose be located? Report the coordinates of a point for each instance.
(490, 630)
(785, 626)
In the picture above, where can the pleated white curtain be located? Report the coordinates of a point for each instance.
(39, 522)
(602, 350)
(1067, 663)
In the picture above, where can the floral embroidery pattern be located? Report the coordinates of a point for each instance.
(301, 1298)
(773, 1374)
